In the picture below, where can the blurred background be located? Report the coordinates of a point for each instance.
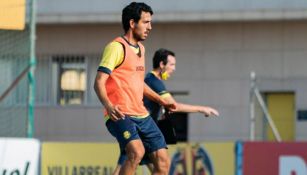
(217, 45)
(228, 52)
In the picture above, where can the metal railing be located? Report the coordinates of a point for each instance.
(255, 95)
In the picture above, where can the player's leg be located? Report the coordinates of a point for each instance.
(120, 162)
(161, 161)
(154, 144)
(117, 169)
(135, 152)
(130, 143)
(145, 161)
(150, 166)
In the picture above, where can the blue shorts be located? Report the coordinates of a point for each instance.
(131, 128)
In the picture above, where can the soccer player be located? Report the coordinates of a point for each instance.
(164, 64)
(120, 87)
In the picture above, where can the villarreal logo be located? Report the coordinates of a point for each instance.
(126, 134)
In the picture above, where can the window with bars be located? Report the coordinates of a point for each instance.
(70, 79)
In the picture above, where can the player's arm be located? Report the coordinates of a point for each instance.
(181, 107)
(100, 89)
(150, 94)
(112, 57)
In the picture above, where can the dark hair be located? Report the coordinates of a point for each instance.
(134, 11)
(161, 55)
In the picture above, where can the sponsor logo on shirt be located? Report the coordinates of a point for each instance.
(140, 68)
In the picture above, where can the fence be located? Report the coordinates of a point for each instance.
(17, 59)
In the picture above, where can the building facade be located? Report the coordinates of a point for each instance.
(217, 45)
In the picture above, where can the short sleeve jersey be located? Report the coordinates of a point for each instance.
(158, 86)
(125, 65)
(113, 56)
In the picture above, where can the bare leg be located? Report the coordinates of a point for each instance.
(161, 162)
(117, 169)
(150, 166)
(135, 152)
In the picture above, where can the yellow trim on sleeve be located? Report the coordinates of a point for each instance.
(113, 55)
(165, 95)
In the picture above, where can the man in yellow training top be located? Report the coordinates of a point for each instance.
(120, 87)
(164, 65)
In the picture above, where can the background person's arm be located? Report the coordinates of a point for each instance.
(150, 94)
(182, 107)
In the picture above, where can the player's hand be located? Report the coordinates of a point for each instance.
(171, 107)
(208, 111)
(115, 113)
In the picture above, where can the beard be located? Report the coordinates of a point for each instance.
(137, 34)
(138, 37)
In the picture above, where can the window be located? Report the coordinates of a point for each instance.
(302, 115)
(70, 73)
